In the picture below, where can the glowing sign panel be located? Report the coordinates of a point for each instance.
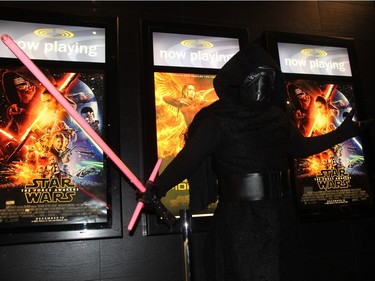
(56, 42)
(318, 60)
(195, 51)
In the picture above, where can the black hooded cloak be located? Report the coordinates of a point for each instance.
(233, 137)
(253, 240)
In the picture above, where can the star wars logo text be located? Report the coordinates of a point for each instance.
(333, 179)
(52, 190)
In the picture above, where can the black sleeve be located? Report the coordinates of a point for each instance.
(197, 149)
(300, 146)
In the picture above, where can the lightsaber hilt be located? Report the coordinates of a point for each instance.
(168, 218)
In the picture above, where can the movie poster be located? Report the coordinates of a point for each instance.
(51, 172)
(337, 176)
(178, 97)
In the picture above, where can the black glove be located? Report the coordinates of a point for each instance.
(365, 124)
(149, 197)
(349, 128)
(152, 203)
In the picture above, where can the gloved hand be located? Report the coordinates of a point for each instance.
(365, 124)
(149, 197)
(350, 128)
(152, 203)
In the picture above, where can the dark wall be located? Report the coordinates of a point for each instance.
(335, 250)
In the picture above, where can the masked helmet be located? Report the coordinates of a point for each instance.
(258, 86)
(250, 78)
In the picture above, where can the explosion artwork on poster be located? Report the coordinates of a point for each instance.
(337, 176)
(51, 173)
(178, 97)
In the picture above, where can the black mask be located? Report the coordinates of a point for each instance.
(258, 86)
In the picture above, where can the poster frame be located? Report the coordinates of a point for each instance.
(153, 225)
(112, 227)
(350, 210)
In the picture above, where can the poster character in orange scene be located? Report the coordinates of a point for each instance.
(178, 97)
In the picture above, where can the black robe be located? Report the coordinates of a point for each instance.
(254, 240)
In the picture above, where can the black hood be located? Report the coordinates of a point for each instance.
(229, 79)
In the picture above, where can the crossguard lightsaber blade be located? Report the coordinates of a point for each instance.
(140, 204)
(17, 51)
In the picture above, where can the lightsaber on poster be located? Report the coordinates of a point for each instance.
(17, 51)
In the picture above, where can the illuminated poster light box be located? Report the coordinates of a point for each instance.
(55, 181)
(180, 69)
(322, 85)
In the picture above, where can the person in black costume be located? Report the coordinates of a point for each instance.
(242, 142)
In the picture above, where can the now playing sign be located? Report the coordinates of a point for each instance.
(55, 42)
(311, 59)
(183, 50)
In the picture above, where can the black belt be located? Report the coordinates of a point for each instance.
(253, 186)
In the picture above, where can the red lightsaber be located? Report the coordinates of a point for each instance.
(17, 51)
(140, 204)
